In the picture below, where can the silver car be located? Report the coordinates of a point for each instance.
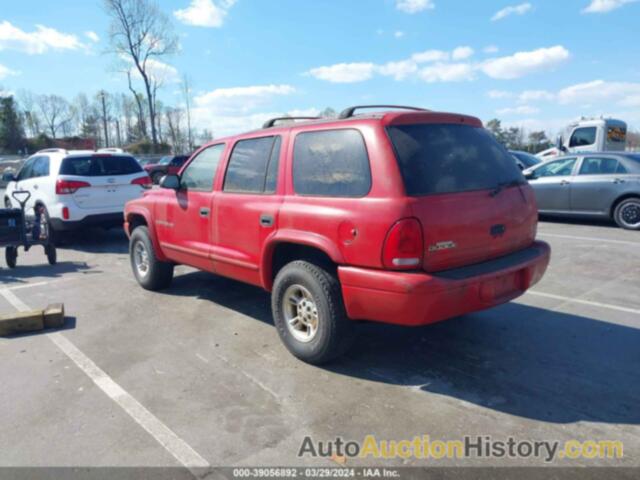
(605, 185)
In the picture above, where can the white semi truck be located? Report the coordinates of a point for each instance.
(589, 135)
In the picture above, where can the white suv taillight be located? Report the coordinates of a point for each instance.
(67, 187)
(403, 248)
(144, 182)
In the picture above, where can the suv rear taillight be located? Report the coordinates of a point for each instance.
(403, 248)
(66, 187)
(144, 182)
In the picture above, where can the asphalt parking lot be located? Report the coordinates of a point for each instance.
(196, 375)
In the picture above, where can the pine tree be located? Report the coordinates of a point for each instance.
(11, 129)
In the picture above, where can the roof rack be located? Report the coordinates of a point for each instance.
(270, 123)
(348, 112)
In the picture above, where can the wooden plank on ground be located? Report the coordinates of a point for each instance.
(54, 315)
(20, 322)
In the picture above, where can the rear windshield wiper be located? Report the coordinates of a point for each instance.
(502, 185)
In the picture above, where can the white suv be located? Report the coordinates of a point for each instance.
(78, 188)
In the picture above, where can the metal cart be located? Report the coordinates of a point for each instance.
(17, 229)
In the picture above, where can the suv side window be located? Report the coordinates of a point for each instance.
(331, 163)
(40, 167)
(601, 166)
(26, 170)
(201, 171)
(251, 166)
(556, 168)
(583, 136)
(178, 161)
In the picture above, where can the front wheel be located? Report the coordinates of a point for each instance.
(309, 313)
(627, 214)
(151, 273)
(7, 203)
(11, 256)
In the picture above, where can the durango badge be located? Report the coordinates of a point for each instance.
(442, 246)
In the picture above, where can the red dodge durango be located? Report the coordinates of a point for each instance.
(400, 215)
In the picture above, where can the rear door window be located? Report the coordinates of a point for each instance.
(601, 166)
(450, 158)
(583, 136)
(250, 165)
(331, 163)
(40, 167)
(100, 166)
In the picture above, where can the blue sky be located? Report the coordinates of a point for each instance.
(537, 63)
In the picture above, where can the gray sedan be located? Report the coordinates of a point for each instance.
(601, 185)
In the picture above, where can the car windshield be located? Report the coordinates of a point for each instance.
(449, 158)
(165, 161)
(99, 165)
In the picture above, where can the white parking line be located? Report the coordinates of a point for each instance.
(585, 302)
(590, 239)
(177, 447)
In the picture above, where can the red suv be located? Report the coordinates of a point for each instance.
(404, 216)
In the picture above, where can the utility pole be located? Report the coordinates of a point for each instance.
(187, 96)
(104, 119)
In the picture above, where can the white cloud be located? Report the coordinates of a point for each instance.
(414, 6)
(447, 72)
(227, 111)
(6, 72)
(461, 53)
(398, 70)
(522, 63)
(490, 49)
(604, 6)
(398, 34)
(430, 56)
(93, 36)
(42, 40)
(622, 93)
(535, 96)
(162, 72)
(520, 9)
(499, 94)
(205, 13)
(520, 110)
(344, 72)
(6, 93)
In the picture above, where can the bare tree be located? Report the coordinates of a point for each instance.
(186, 90)
(143, 34)
(55, 112)
(28, 101)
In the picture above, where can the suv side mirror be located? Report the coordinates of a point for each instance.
(8, 177)
(170, 181)
(530, 175)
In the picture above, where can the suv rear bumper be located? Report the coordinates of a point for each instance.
(97, 220)
(420, 298)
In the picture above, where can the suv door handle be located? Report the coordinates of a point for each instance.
(266, 220)
(204, 212)
(618, 180)
(565, 182)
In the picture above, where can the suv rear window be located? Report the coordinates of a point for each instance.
(331, 163)
(449, 158)
(100, 166)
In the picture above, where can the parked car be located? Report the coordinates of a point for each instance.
(524, 160)
(78, 188)
(169, 164)
(404, 216)
(604, 185)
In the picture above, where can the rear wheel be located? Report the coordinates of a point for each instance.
(309, 314)
(11, 256)
(151, 273)
(627, 214)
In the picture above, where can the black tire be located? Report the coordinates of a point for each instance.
(158, 275)
(7, 203)
(155, 179)
(334, 332)
(11, 256)
(52, 253)
(627, 213)
(46, 224)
